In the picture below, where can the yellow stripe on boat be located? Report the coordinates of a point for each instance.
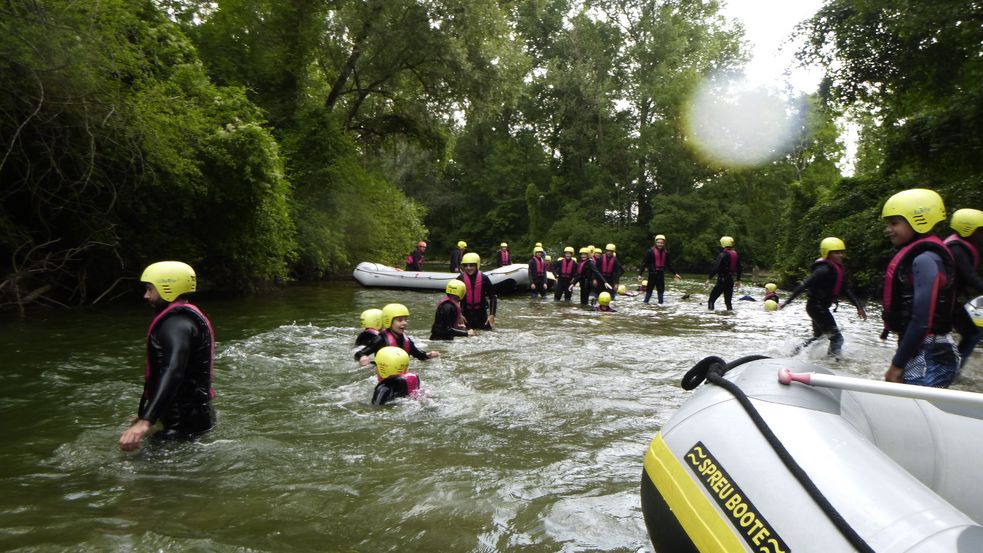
(696, 513)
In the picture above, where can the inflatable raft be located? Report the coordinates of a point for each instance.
(749, 463)
(975, 309)
(505, 279)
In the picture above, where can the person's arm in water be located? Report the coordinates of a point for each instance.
(416, 352)
(174, 335)
(925, 274)
(856, 302)
(377, 343)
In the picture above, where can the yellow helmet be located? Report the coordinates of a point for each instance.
(966, 221)
(585, 249)
(609, 247)
(371, 318)
(922, 208)
(592, 249)
(539, 244)
(538, 249)
(568, 249)
(390, 361)
(461, 244)
(549, 258)
(771, 287)
(771, 305)
(456, 288)
(604, 298)
(830, 244)
(471, 259)
(622, 289)
(170, 278)
(660, 236)
(645, 283)
(503, 245)
(726, 242)
(391, 311)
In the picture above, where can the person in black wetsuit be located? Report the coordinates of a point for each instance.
(604, 302)
(503, 256)
(395, 319)
(827, 281)
(965, 245)
(610, 268)
(414, 261)
(394, 379)
(538, 268)
(727, 269)
(588, 275)
(480, 302)
(564, 270)
(656, 262)
(448, 322)
(177, 387)
(456, 255)
(371, 320)
(919, 291)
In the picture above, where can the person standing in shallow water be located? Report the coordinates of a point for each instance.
(727, 269)
(657, 263)
(177, 387)
(919, 291)
(503, 256)
(480, 302)
(827, 281)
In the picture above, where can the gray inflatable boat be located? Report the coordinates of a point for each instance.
(749, 463)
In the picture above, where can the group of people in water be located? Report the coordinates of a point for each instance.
(925, 284)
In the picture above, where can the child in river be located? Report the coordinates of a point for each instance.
(395, 319)
(395, 380)
(371, 320)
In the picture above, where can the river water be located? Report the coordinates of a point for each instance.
(529, 438)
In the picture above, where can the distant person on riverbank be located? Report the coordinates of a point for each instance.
(537, 272)
(395, 319)
(827, 281)
(414, 261)
(564, 270)
(395, 381)
(965, 245)
(610, 268)
(604, 302)
(448, 321)
(480, 302)
(456, 255)
(371, 320)
(919, 291)
(727, 269)
(177, 385)
(656, 262)
(503, 256)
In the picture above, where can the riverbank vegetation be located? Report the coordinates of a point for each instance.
(263, 141)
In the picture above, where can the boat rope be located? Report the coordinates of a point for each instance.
(712, 369)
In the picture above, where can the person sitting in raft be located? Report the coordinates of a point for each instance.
(448, 322)
(537, 272)
(503, 257)
(414, 261)
(965, 245)
(371, 320)
(480, 303)
(827, 281)
(919, 291)
(395, 319)
(395, 381)
(603, 302)
(456, 255)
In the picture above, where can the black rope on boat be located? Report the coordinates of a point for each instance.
(713, 369)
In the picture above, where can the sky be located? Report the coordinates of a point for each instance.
(768, 25)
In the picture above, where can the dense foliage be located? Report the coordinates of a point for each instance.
(263, 141)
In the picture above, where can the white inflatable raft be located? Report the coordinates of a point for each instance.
(887, 474)
(975, 309)
(505, 279)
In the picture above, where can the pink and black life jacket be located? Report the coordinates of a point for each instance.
(898, 298)
(539, 265)
(838, 270)
(954, 239)
(567, 267)
(659, 255)
(457, 310)
(503, 257)
(607, 265)
(732, 266)
(392, 340)
(473, 298)
(201, 360)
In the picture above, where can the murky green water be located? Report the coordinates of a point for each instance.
(530, 438)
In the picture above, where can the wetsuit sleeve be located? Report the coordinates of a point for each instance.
(415, 351)
(968, 277)
(648, 263)
(489, 291)
(811, 282)
(925, 273)
(718, 266)
(852, 297)
(377, 343)
(669, 264)
(597, 274)
(618, 270)
(174, 336)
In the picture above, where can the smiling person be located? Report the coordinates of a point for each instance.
(395, 319)
(480, 303)
(919, 291)
(177, 385)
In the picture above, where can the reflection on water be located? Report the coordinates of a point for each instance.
(529, 438)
